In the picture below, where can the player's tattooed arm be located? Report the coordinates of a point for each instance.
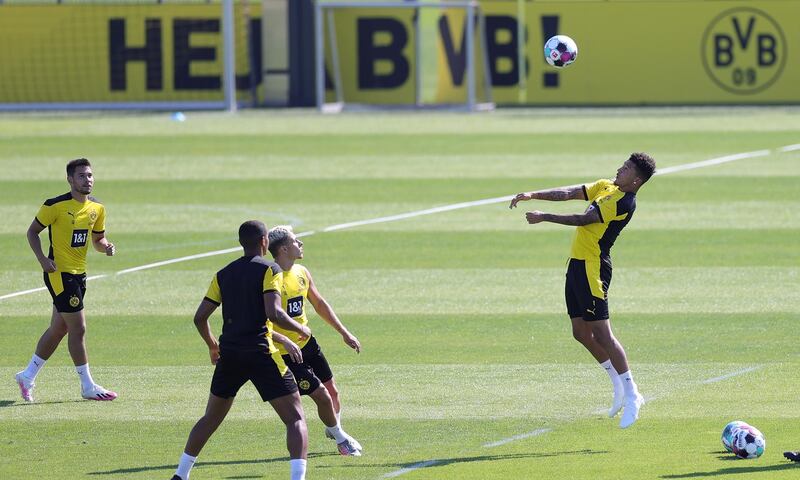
(591, 215)
(560, 194)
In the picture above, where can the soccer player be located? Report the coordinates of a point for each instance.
(249, 291)
(589, 268)
(73, 220)
(313, 374)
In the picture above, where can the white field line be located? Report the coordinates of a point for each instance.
(731, 375)
(712, 161)
(416, 466)
(522, 436)
(418, 213)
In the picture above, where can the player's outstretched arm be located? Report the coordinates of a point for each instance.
(324, 309)
(204, 311)
(591, 215)
(102, 245)
(294, 351)
(560, 194)
(48, 265)
(276, 314)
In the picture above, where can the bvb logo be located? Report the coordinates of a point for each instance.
(304, 384)
(301, 281)
(92, 215)
(744, 50)
(74, 301)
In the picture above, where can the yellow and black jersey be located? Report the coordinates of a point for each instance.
(240, 288)
(593, 242)
(70, 224)
(294, 296)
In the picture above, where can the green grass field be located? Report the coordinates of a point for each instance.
(468, 369)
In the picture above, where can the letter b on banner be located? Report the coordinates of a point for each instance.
(374, 51)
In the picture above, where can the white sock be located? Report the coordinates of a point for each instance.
(34, 366)
(339, 417)
(337, 433)
(613, 375)
(630, 386)
(85, 376)
(298, 466)
(185, 466)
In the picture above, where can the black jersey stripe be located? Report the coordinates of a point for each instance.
(61, 198)
(212, 301)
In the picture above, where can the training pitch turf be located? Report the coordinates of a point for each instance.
(468, 369)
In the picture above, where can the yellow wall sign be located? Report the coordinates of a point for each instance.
(644, 52)
(117, 53)
(630, 52)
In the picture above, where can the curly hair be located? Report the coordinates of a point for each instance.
(645, 165)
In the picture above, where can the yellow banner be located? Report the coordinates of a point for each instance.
(630, 53)
(119, 53)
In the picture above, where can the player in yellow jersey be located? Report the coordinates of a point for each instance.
(589, 268)
(73, 220)
(313, 374)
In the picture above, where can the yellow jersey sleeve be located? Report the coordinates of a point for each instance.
(214, 295)
(47, 215)
(272, 281)
(100, 223)
(592, 189)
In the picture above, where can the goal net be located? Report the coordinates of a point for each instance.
(410, 54)
(168, 55)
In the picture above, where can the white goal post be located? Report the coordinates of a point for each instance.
(324, 11)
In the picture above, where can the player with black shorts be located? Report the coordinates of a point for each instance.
(249, 291)
(589, 268)
(313, 374)
(73, 220)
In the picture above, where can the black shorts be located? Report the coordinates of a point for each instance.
(67, 290)
(582, 299)
(314, 370)
(235, 368)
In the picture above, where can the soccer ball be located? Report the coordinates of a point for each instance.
(727, 433)
(560, 51)
(748, 442)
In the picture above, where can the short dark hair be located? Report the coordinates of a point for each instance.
(78, 162)
(251, 232)
(645, 165)
(278, 237)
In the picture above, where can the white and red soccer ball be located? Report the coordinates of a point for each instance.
(560, 51)
(743, 440)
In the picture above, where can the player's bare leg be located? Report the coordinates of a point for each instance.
(582, 331)
(290, 409)
(217, 409)
(345, 444)
(76, 341)
(51, 338)
(48, 343)
(601, 329)
(333, 391)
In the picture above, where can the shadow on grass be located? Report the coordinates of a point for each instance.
(172, 466)
(735, 470)
(441, 462)
(13, 403)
